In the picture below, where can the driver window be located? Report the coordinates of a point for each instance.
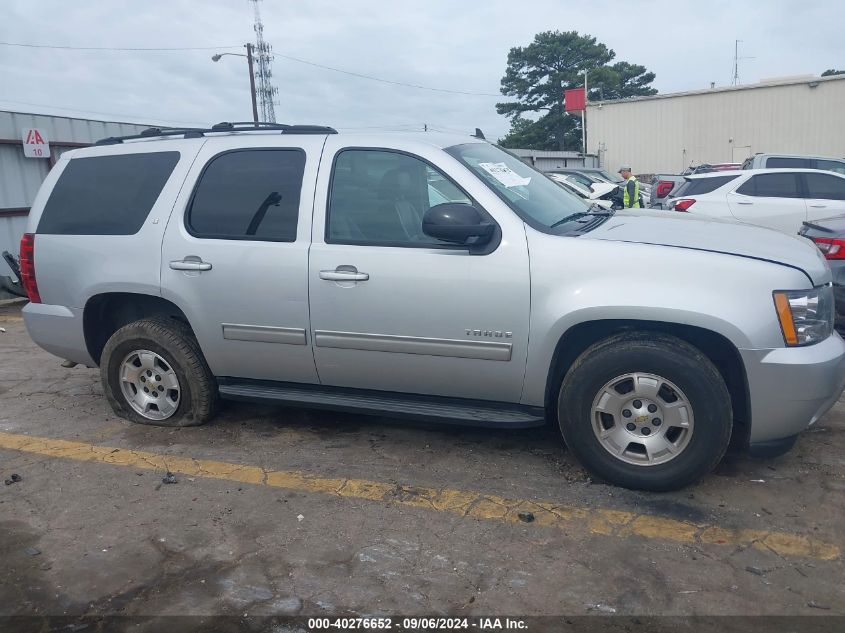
(379, 197)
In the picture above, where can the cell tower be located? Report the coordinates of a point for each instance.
(263, 73)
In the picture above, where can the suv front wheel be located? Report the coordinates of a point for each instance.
(645, 411)
(153, 372)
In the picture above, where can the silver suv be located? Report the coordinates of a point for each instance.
(428, 276)
(791, 161)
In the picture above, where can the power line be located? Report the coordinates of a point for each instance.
(277, 54)
(117, 48)
(109, 114)
(386, 81)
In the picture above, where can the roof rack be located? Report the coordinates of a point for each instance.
(225, 126)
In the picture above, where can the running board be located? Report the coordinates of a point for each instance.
(430, 408)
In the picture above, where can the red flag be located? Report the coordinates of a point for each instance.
(574, 100)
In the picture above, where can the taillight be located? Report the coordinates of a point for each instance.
(664, 187)
(28, 267)
(683, 204)
(832, 248)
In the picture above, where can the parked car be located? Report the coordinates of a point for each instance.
(588, 175)
(297, 266)
(780, 199)
(600, 193)
(594, 173)
(780, 161)
(829, 236)
(706, 168)
(664, 187)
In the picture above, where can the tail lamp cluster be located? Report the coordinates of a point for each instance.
(831, 247)
(30, 285)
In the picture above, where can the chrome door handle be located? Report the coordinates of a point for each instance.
(819, 206)
(344, 273)
(190, 263)
(744, 202)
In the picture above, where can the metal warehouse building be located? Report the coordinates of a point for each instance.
(667, 133)
(546, 160)
(20, 176)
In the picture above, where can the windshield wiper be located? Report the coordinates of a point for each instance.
(596, 211)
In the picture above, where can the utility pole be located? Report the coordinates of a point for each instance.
(584, 120)
(252, 84)
(218, 56)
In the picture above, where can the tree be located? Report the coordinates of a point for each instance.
(832, 71)
(619, 81)
(537, 75)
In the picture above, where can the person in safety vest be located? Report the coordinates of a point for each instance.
(631, 189)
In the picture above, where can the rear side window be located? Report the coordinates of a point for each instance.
(248, 195)
(831, 165)
(783, 162)
(771, 186)
(106, 195)
(698, 186)
(825, 187)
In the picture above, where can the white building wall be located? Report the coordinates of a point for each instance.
(667, 133)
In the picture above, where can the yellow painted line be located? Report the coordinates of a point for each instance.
(460, 502)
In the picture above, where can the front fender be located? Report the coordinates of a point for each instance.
(577, 280)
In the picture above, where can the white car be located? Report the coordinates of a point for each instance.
(780, 199)
(599, 192)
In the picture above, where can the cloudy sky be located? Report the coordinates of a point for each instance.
(452, 45)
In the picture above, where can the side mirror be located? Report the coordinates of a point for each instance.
(458, 223)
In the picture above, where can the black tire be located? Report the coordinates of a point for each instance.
(667, 357)
(174, 342)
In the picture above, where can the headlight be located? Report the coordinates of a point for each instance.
(806, 316)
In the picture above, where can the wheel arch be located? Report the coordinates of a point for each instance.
(106, 313)
(718, 349)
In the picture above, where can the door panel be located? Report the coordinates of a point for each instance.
(413, 316)
(245, 296)
(770, 200)
(825, 195)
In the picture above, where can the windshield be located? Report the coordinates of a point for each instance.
(534, 197)
(573, 184)
(607, 177)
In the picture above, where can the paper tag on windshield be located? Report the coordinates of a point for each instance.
(504, 174)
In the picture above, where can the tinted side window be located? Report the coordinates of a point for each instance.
(776, 162)
(771, 186)
(249, 195)
(380, 197)
(831, 165)
(698, 186)
(106, 195)
(825, 187)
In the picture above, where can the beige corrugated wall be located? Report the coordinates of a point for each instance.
(667, 133)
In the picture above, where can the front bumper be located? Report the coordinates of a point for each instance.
(58, 330)
(790, 388)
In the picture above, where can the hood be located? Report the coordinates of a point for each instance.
(600, 189)
(681, 230)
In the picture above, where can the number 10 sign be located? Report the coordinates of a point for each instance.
(35, 144)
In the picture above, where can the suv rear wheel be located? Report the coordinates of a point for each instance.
(645, 411)
(153, 372)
